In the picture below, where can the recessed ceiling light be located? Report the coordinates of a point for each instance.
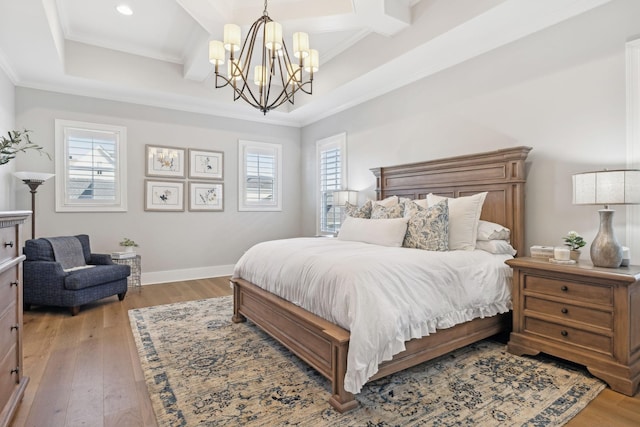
(124, 9)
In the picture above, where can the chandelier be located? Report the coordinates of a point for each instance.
(275, 78)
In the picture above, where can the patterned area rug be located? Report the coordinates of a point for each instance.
(202, 369)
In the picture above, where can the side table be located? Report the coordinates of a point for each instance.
(588, 315)
(134, 262)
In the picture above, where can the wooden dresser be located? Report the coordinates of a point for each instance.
(581, 313)
(12, 379)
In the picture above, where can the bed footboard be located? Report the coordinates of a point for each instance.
(318, 342)
(324, 345)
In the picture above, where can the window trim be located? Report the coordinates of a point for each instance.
(243, 204)
(339, 140)
(65, 205)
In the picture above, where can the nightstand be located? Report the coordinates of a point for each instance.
(134, 262)
(581, 313)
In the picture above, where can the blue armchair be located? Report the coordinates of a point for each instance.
(47, 283)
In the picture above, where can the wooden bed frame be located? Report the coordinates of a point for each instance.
(324, 345)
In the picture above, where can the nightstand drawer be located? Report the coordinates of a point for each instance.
(562, 333)
(8, 243)
(569, 290)
(588, 316)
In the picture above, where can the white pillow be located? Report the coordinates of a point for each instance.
(492, 231)
(388, 202)
(421, 202)
(499, 247)
(383, 232)
(464, 215)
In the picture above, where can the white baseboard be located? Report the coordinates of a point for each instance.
(155, 277)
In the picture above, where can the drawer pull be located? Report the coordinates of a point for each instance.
(564, 333)
(15, 370)
(564, 288)
(14, 327)
(10, 244)
(564, 311)
(13, 284)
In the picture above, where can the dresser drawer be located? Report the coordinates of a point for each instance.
(569, 290)
(8, 288)
(558, 332)
(8, 243)
(588, 316)
(8, 335)
(8, 379)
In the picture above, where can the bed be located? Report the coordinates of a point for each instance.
(324, 345)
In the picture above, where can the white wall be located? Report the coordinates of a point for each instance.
(560, 91)
(7, 116)
(174, 246)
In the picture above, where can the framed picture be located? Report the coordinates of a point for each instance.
(165, 196)
(206, 164)
(168, 162)
(206, 196)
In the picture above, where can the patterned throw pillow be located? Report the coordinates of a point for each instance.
(428, 229)
(358, 212)
(381, 212)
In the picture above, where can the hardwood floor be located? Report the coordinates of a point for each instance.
(84, 370)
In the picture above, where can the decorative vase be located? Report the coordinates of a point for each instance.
(574, 254)
(128, 248)
(605, 249)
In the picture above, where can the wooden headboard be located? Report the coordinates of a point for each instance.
(501, 173)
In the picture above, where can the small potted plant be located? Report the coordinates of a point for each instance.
(575, 242)
(128, 244)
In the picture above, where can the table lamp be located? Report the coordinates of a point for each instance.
(607, 187)
(33, 180)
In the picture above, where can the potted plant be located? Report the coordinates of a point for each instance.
(575, 242)
(18, 141)
(128, 244)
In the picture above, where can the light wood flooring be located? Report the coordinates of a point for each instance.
(84, 370)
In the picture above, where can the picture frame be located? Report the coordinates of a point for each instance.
(165, 161)
(206, 196)
(206, 164)
(163, 196)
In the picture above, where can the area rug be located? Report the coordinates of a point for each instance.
(202, 369)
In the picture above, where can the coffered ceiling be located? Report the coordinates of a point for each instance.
(158, 56)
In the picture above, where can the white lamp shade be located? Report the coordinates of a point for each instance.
(340, 198)
(260, 75)
(33, 176)
(216, 52)
(614, 187)
(300, 45)
(232, 37)
(273, 36)
(312, 62)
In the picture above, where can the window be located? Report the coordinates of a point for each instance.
(90, 167)
(260, 181)
(332, 176)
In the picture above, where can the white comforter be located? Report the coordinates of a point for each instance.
(384, 296)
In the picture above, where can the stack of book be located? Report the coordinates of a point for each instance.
(542, 251)
(123, 255)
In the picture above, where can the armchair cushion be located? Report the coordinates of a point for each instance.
(95, 276)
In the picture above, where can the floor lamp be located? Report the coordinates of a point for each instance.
(33, 180)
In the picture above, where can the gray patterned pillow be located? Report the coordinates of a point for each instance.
(428, 229)
(358, 212)
(380, 212)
